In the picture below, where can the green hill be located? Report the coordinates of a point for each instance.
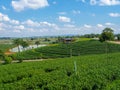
(91, 72)
(67, 50)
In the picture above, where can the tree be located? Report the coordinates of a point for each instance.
(37, 43)
(24, 44)
(18, 42)
(107, 34)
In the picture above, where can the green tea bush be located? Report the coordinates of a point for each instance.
(7, 60)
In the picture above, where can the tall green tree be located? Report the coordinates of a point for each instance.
(17, 42)
(24, 44)
(107, 34)
(37, 43)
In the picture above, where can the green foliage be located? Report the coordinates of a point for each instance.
(107, 34)
(5, 47)
(94, 72)
(24, 44)
(7, 60)
(66, 50)
(37, 43)
(18, 42)
(1, 55)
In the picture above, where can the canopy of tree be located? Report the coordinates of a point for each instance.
(107, 34)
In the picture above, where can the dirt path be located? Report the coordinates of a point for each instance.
(35, 60)
(115, 42)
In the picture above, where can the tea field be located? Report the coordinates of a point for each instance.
(90, 72)
(66, 50)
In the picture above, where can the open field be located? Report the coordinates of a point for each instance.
(91, 72)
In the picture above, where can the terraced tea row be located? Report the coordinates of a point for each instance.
(67, 50)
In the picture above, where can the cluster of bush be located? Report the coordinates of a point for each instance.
(5, 59)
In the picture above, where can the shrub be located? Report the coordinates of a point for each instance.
(7, 60)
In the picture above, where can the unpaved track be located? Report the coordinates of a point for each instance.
(115, 42)
(35, 60)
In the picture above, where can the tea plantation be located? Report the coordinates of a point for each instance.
(90, 72)
(67, 50)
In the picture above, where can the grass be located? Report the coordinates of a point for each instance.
(93, 72)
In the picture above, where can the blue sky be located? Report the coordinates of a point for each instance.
(23, 18)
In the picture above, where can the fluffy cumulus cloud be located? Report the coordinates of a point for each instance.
(20, 5)
(114, 14)
(105, 2)
(64, 19)
(4, 17)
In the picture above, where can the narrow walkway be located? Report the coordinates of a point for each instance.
(35, 60)
(115, 42)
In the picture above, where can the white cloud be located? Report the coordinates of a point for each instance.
(20, 27)
(20, 5)
(69, 25)
(109, 24)
(35, 24)
(4, 8)
(109, 2)
(114, 14)
(62, 13)
(100, 25)
(64, 19)
(15, 28)
(4, 17)
(47, 24)
(17, 31)
(15, 22)
(31, 23)
(105, 2)
(87, 26)
(76, 11)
